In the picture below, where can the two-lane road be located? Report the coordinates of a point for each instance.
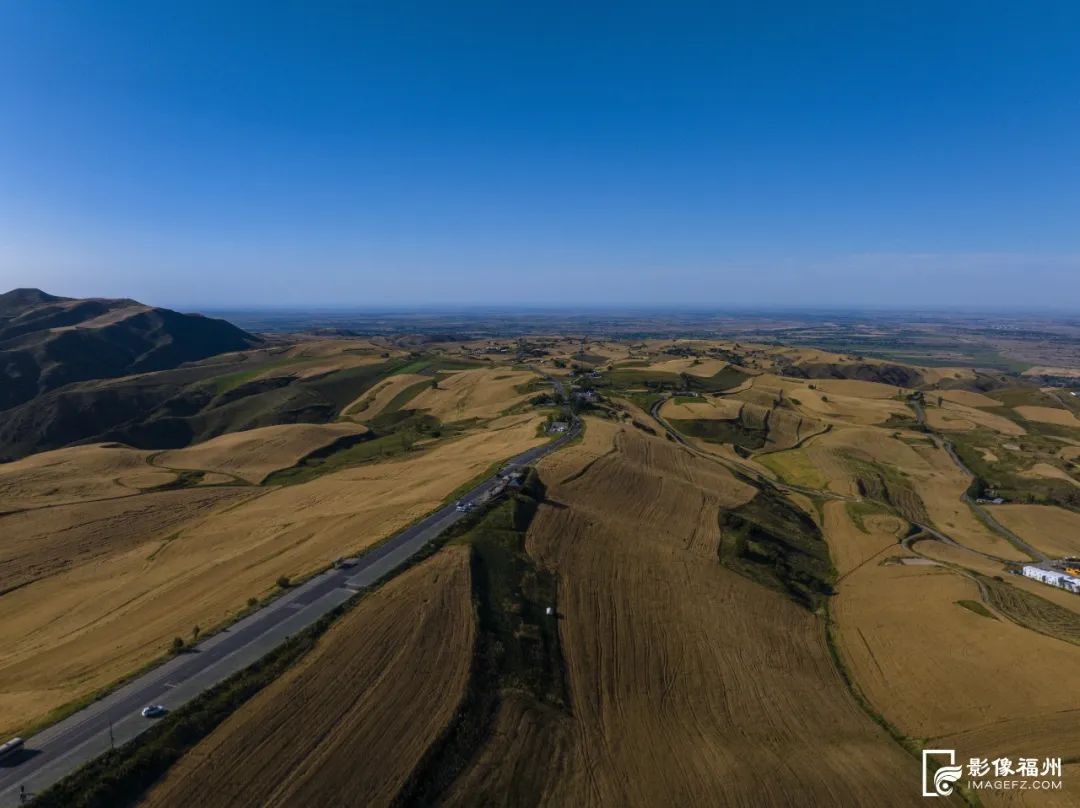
(59, 750)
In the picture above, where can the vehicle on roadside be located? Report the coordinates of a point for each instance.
(153, 711)
(11, 748)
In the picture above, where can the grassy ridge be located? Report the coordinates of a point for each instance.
(1004, 474)
(625, 377)
(772, 542)
(517, 644)
(715, 430)
(393, 435)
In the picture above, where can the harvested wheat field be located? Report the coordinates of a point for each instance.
(970, 561)
(1048, 415)
(321, 349)
(481, 393)
(694, 367)
(967, 398)
(1047, 472)
(374, 401)
(960, 671)
(937, 375)
(596, 441)
(68, 634)
(921, 480)
(350, 723)
(858, 389)
(849, 409)
(850, 545)
(722, 409)
(253, 454)
(689, 684)
(1070, 453)
(958, 416)
(40, 542)
(1054, 530)
(942, 492)
(948, 421)
(77, 474)
(311, 368)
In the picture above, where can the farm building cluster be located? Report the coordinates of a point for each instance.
(1064, 574)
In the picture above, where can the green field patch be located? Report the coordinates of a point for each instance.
(888, 486)
(771, 541)
(624, 377)
(397, 435)
(794, 467)
(863, 509)
(1024, 396)
(978, 608)
(517, 651)
(1004, 476)
(406, 395)
(230, 381)
(717, 431)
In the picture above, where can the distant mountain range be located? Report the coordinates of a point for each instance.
(47, 342)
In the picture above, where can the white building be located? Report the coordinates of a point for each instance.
(1052, 577)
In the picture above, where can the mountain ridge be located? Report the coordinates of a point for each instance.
(47, 341)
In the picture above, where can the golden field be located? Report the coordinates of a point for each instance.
(1049, 415)
(100, 600)
(253, 454)
(1054, 530)
(381, 684)
(979, 683)
(374, 401)
(688, 677)
(689, 683)
(77, 474)
(482, 393)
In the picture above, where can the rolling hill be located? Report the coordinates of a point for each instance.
(47, 342)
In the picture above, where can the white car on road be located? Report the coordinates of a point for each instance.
(153, 711)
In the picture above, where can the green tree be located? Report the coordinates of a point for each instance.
(283, 581)
(177, 645)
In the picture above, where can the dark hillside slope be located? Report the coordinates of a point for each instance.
(47, 342)
(172, 408)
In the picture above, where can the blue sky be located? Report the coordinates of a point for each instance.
(220, 154)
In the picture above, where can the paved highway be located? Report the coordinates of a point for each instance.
(59, 750)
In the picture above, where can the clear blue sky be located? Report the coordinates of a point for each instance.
(226, 153)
